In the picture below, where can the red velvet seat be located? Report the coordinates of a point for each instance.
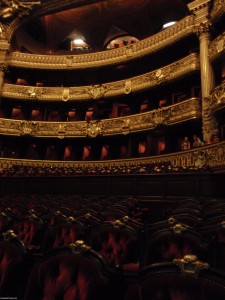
(168, 244)
(176, 281)
(12, 269)
(31, 232)
(5, 222)
(118, 244)
(69, 275)
(63, 234)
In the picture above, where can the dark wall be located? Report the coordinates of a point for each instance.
(154, 186)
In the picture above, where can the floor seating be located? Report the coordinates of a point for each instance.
(183, 279)
(118, 244)
(73, 273)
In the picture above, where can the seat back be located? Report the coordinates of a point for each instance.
(69, 275)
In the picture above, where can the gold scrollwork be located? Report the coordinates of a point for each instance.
(179, 228)
(190, 264)
(97, 91)
(128, 87)
(28, 127)
(158, 118)
(10, 9)
(94, 128)
(66, 94)
(32, 94)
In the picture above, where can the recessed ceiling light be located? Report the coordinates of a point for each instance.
(78, 41)
(169, 24)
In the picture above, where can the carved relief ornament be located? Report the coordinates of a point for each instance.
(10, 9)
(94, 128)
(218, 9)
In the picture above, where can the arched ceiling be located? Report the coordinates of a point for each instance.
(95, 21)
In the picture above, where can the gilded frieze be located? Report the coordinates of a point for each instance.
(152, 44)
(209, 157)
(11, 9)
(218, 9)
(170, 115)
(149, 80)
(217, 47)
(217, 99)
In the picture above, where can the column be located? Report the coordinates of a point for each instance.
(209, 126)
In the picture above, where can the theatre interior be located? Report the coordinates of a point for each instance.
(112, 149)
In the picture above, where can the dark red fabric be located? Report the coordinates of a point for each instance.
(67, 276)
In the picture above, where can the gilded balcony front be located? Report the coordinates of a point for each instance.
(217, 47)
(165, 116)
(147, 46)
(218, 9)
(217, 98)
(210, 158)
(146, 81)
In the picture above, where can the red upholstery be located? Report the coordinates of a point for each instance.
(11, 269)
(165, 245)
(118, 246)
(69, 277)
(59, 235)
(30, 232)
(168, 282)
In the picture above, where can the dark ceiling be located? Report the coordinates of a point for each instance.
(97, 22)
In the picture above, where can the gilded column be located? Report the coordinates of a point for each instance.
(209, 125)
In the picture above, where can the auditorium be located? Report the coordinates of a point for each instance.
(112, 149)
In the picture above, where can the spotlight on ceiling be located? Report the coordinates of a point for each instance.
(168, 24)
(78, 41)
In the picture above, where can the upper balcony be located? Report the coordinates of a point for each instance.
(149, 80)
(144, 47)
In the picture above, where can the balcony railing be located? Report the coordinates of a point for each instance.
(209, 158)
(147, 46)
(218, 9)
(217, 98)
(165, 116)
(146, 81)
(217, 47)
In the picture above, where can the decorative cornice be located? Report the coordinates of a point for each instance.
(217, 47)
(165, 116)
(146, 81)
(211, 157)
(218, 9)
(10, 9)
(217, 99)
(200, 8)
(147, 46)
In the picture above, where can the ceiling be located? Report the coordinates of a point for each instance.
(97, 22)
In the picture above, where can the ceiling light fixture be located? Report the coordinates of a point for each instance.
(78, 41)
(168, 24)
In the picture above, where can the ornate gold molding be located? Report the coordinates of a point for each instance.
(10, 9)
(190, 264)
(217, 47)
(218, 9)
(147, 46)
(200, 8)
(217, 99)
(210, 156)
(166, 116)
(149, 80)
(94, 128)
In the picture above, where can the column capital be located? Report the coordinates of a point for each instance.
(203, 29)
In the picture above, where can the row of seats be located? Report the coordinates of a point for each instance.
(79, 273)
(128, 238)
